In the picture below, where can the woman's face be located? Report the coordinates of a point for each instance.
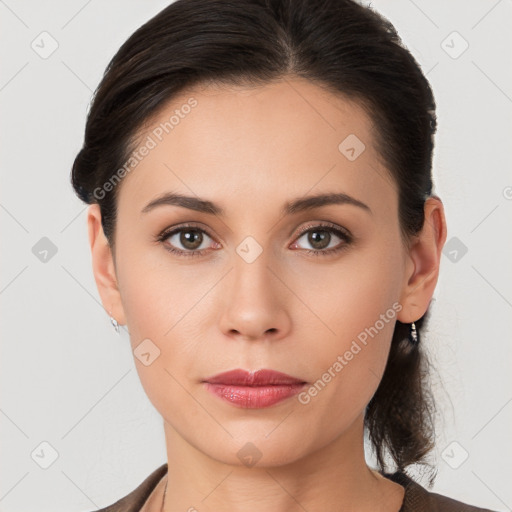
(257, 293)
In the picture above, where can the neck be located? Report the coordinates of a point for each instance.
(333, 477)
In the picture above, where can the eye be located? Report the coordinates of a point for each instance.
(192, 239)
(322, 238)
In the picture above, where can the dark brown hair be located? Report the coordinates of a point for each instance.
(340, 45)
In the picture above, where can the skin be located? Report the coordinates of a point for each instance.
(250, 150)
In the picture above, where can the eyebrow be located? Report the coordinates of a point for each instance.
(297, 205)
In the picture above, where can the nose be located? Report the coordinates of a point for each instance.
(255, 305)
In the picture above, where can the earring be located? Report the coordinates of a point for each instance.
(414, 336)
(114, 323)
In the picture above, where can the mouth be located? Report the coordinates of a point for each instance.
(253, 390)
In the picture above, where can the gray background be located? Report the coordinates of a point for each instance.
(68, 380)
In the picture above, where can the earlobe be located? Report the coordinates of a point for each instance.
(424, 261)
(103, 266)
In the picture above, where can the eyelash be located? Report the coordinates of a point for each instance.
(331, 228)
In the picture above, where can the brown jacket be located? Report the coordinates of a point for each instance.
(416, 499)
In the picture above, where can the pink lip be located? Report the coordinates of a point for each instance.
(253, 390)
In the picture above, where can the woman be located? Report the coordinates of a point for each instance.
(262, 220)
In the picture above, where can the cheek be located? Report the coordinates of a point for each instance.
(346, 296)
(157, 293)
(352, 312)
(166, 307)
(160, 306)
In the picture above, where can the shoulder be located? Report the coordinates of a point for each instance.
(418, 499)
(133, 501)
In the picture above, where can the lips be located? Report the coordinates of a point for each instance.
(254, 379)
(253, 390)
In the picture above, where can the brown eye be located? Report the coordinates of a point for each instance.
(319, 238)
(323, 240)
(186, 241)
(190, 239)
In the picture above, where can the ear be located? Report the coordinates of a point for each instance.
(422, 267)
(103, 266)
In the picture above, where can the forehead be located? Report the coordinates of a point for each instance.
(280, 140)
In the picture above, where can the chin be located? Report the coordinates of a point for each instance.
(257, 450)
